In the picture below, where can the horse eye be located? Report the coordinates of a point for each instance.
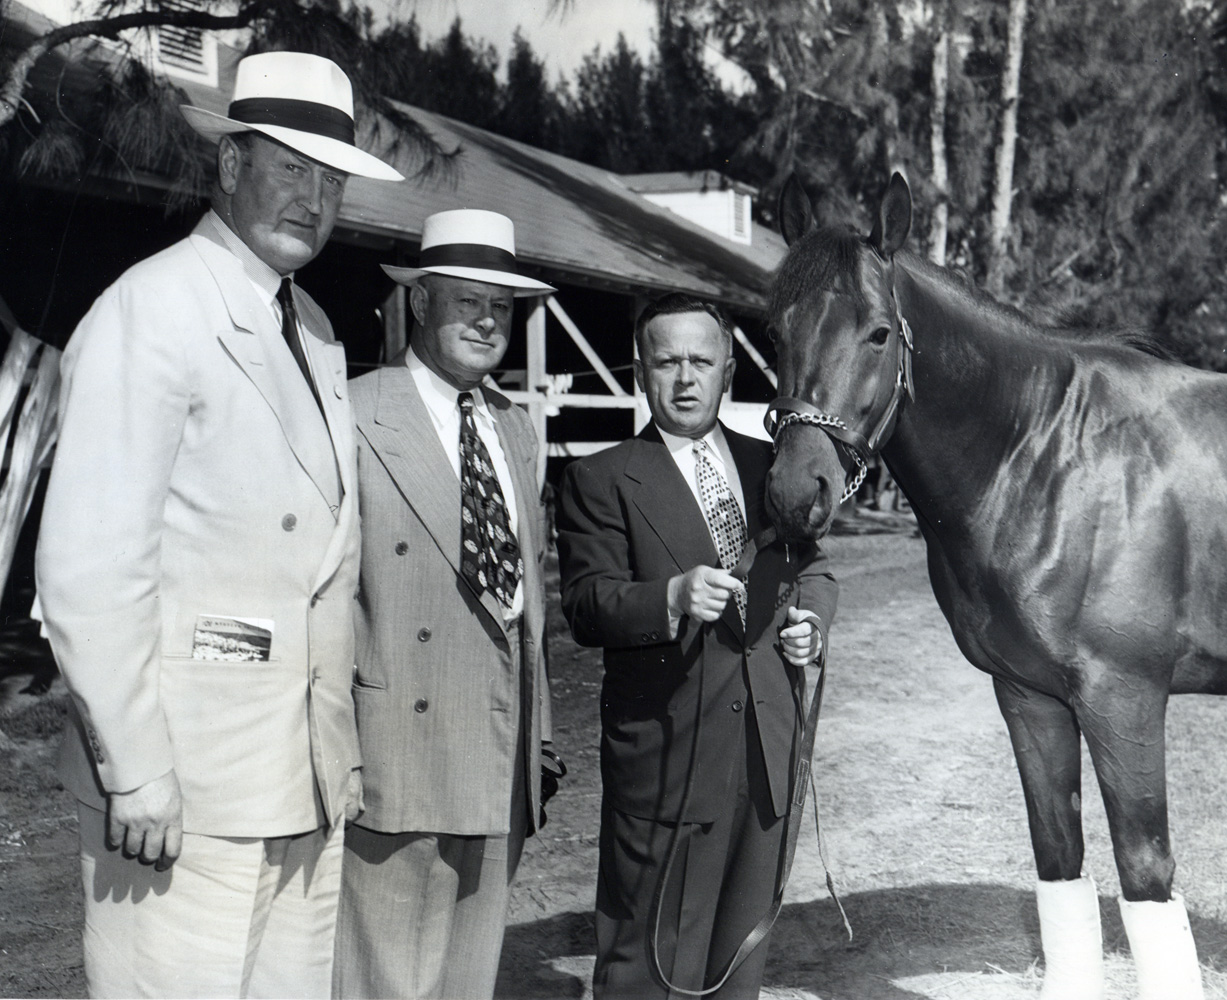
(880, 336)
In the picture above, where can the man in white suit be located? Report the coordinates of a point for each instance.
(450, 689)
(196, 570)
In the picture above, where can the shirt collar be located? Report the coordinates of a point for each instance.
(258, 272)
(438, 395)
(678, 445)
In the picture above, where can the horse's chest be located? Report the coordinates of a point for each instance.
(1003, 621)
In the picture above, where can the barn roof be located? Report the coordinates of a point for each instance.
(574, 220)
(575, 224)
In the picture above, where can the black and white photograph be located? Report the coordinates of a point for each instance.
(622, 500)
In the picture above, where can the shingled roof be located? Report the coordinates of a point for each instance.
(573, 221)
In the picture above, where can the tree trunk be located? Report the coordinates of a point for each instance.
(1004, 185)
(937, 136)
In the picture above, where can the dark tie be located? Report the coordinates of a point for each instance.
(724, 519)
(289, 330)
(490, 556)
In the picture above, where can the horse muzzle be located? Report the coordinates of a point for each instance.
(803, 485)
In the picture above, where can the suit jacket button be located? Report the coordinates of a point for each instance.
(288, 522)
(645, 637)
(402, 548)
(424, 635)
(98, 757)
(737, 705)
(421, 705)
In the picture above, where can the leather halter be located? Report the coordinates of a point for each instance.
(786, 410)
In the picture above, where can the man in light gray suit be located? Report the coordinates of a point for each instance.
(450, 690)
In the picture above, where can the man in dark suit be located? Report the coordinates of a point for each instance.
(704, 693)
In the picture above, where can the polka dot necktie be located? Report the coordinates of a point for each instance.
(724, 518)
(489, 553)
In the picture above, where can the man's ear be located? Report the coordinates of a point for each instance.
(229, 163)
(730, 366)
(419, 298)
(638, 367)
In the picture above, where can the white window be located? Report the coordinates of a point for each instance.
(741, 217)
(188, 53)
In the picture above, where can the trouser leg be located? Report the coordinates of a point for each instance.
(227, 918)
(721, 884)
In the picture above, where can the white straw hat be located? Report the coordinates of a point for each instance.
(303, 101)
(470, 243)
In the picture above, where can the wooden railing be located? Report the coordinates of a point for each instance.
(29, 390)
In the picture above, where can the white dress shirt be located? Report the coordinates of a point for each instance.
(440, 400)
(681, 449)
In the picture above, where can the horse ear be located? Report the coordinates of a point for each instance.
(894, 218)
(796, 214)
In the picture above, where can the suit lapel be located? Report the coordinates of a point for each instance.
(681, 526)
(403, 435)
(664, 499)
(523, 465)
(328, 369)
(752, 464)
(272, 371)
(328, 365)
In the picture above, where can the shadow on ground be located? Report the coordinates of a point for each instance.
(898, 934)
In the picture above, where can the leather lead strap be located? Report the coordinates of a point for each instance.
(796, 810)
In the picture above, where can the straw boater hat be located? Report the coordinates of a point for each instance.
(304, 102)
(470, 243)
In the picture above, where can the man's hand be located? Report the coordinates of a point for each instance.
(800, 638)
(354, 804)
(147, 822)
(702, 592)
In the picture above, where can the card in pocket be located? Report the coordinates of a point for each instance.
(224, 637)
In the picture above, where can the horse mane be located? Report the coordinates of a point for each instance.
(974, 298)
(826, 257)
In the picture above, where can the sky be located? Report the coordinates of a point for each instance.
(561, 40)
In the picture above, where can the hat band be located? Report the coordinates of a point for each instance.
(468, 255)
(303, 116)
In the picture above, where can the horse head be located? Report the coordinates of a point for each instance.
(844, 358)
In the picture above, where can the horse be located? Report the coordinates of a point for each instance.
(1071, 489)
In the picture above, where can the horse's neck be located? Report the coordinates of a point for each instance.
(982, 380)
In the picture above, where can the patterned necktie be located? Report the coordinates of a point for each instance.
(724, 518)
(490, 556)
(289, 330)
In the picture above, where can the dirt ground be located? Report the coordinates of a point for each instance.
(922, 819)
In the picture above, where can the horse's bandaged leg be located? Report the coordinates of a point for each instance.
(1072, 941)
(1163, 949)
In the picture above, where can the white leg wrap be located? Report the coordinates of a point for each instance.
(1073, 943)
(1163, 949)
